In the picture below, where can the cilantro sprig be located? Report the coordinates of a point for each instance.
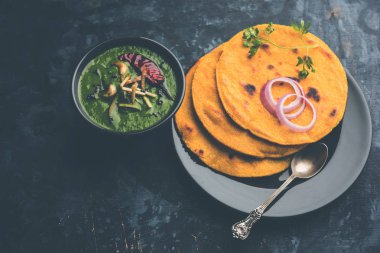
(306, 61)
(253, 40)
(307, 64)
(302, 27)
(269, 29)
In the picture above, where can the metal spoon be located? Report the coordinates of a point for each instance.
(305, 164)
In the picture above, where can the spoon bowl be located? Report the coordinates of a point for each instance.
(309, 161)
(305, 164)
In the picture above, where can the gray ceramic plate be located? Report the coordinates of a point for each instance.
(350, 144)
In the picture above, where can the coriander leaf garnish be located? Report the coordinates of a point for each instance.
(307, 64)
(300, 60)
(269, 29)
(250, 33)
(303, 74)
(251, 39)
(254, 47)
(302, 27)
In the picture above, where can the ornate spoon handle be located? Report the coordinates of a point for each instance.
(242, 228)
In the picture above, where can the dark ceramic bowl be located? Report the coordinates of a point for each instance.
(152, 45)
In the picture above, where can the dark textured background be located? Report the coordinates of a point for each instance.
(64, 187)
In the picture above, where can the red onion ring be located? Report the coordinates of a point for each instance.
(269, 103)
(285, 120)
(299, 111)
(272, 104)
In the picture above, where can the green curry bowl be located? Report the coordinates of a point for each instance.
(128, 85)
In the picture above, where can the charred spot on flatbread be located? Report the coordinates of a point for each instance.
(324, 52)
(250, 88)
(188, 128)
(313, 93)
(265, 48)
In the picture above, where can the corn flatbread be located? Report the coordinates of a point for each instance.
(210, 112)
(212, 153)
(240, 80)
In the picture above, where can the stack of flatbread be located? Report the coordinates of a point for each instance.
(222, 119)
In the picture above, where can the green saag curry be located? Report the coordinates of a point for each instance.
(122, 95)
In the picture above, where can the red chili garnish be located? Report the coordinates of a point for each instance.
(153, 72)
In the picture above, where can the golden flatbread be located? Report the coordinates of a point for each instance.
(327, 87)
(210, 111)
(214, 154)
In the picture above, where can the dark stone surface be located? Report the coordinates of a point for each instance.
(61, 192)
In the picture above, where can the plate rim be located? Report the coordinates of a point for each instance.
(343, 188)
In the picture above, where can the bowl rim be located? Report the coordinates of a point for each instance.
(179, 95)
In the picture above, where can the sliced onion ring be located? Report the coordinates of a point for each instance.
(299, 111)
(271, 104)
(284, 119)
